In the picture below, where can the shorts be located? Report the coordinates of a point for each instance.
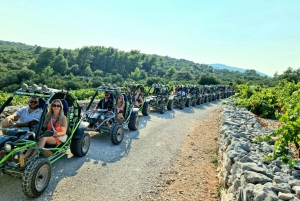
(121, 112)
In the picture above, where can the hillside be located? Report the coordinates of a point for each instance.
(62, 67)
(223, 66)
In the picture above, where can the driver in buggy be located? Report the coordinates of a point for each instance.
(180, 92)
(104, 103)
(156, 92)
(25, 115)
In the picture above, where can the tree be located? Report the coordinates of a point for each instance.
(37, 50)
(44, 59)
(136, 74)
(59, 64)
(84, 57)
(98, 73)
(170, 72)
(47, 72)
(207, 80)
(88, 71)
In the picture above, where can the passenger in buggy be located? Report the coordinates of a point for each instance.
(120, 108)
(180, 92)
(156, 92)
(164, 94)
(138, 99)
(105, 103)
(55, 123)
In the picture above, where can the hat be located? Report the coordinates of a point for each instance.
(164, 89)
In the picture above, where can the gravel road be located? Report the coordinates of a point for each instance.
(119, 172)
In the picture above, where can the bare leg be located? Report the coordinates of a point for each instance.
(5, 124)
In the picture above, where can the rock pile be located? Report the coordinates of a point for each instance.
(243, 172)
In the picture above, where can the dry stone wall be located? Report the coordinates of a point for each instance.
(243, 173)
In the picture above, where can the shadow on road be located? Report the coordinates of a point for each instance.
(65, 167)
(168, 114)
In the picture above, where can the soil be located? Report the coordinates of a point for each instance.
(194, 176)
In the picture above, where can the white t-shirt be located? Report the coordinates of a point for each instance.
(25, 116)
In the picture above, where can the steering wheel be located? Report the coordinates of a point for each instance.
(31, 125)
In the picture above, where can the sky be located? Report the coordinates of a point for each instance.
(260, 35)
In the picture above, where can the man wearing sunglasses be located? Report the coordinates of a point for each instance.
(24, 115)
(105, 103)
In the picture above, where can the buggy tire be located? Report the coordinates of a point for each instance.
(198, 102)
(116, 134)
(161, 108)
(205, 99)
(36, 177)
(80, 146)
(134, 123)
(170, 105)
(188, 102)
(193, 102)
(146, 109)
(181, 105)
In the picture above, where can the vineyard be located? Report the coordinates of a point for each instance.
(281, 102)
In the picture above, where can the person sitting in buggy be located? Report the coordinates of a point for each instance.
(25, 115)
(56, 124)
(138, 99)
(156, 92)
(180, 92)
(105, 103)
(120, 108)
(164, 94)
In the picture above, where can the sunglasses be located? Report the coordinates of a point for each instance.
(54, 105)
(35, 102)
(106, 94)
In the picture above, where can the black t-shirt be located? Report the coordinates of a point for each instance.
(105, 104)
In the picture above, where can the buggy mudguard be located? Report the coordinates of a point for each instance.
(80, 130)
(133, 114)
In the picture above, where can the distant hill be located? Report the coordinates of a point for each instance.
(223, 66)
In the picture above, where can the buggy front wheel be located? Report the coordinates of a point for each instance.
(134, 122)
(116, 134)
(146, 109)
(170, 105)
(36, 177)
(162, 108)
(80, 146)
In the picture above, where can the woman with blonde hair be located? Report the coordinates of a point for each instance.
(120, 108)
(56, 122)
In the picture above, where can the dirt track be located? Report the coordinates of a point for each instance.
(133, 170)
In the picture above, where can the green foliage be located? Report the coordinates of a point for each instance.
(282, 102)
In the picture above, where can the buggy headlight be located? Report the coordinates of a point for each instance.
(102, 117)
(7, 147)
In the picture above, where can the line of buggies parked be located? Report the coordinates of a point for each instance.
(36, 172)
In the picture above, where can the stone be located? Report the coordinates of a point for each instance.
(262, 192)
(276, 169)
(278, 163)
(297, 166)
(282, 187)
(285, 196)
(253, 167)
(255, 178)
(296, 174)
(294, 182)
(280, 179)
(296, 189)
